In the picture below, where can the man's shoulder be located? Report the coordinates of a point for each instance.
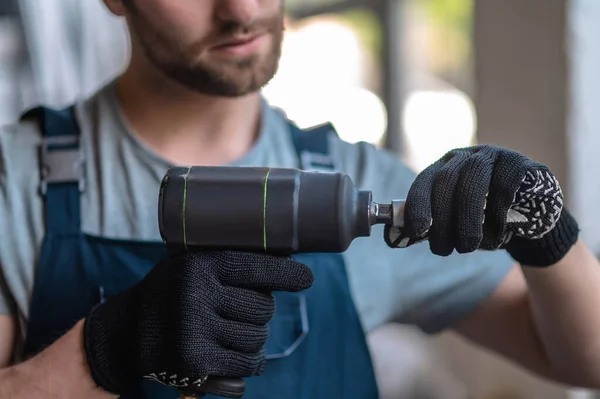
(19, 142)
(20, 130)
(370, 167)
(374, 168)
(20, 205)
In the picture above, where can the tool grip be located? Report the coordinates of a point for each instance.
(225, 387)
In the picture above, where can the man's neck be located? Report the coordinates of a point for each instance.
(185, 127)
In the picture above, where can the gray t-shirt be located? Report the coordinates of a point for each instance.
(410, 286)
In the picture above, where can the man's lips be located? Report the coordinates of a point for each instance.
(240, 46)
(238, 40)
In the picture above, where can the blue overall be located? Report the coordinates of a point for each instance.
(316, 348)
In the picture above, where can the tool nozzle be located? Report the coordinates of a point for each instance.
(389, 214)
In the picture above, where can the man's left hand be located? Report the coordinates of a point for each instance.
(487, 197)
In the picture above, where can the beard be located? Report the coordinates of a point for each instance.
(216, 77)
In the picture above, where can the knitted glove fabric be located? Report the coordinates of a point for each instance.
(487, 197)
(196, 315)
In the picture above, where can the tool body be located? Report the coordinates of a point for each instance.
(287, 211)
(258, 209)
(274, 210)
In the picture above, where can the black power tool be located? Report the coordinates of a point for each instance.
(273, 210)
(259, 209)
(280, 211)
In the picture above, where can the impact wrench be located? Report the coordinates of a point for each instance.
(259, 209)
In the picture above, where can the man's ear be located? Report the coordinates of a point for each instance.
(116, 7)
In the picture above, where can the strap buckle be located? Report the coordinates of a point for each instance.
(61, 161)
(316, 161)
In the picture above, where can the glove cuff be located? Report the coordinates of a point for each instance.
(549, 249)
(107, 344)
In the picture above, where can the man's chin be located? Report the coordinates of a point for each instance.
(239, 87)
(223, 79)
(230, 86)
(237, 80)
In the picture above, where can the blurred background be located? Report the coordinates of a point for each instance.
(418, 77)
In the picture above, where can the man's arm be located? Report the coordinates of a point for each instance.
(546, 319)
(8, 331)
(60, 371)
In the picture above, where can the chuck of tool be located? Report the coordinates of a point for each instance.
(259, 209)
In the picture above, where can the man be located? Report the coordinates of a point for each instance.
(93, 306)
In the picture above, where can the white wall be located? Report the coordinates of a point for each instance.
(584, 116)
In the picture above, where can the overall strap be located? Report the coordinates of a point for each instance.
(61, 168)
(312, 146)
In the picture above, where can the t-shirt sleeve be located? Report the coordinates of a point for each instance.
(18, 237)
(4, 295)
(5, 308)
(411, 285)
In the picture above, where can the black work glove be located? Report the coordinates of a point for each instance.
(196, 315)
(487, 197)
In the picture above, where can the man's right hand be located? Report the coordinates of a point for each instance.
(192, 316)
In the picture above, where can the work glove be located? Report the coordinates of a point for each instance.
(487, 198)
(195, 315)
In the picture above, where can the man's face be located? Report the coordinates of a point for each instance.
(218, 47)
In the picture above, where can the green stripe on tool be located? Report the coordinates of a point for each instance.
(183, 208)
(265, 210)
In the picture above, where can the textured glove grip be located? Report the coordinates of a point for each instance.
(549, 249)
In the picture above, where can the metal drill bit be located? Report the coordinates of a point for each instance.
(389, 214)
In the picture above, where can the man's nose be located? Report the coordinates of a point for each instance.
(243, 12)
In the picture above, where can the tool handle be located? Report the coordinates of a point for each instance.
(219, 386)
